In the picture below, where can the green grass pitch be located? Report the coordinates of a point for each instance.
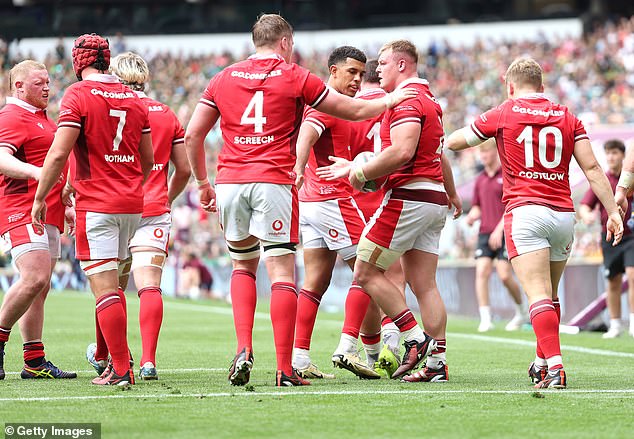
(489, 393)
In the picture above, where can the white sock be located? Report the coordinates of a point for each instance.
(391, 335)
(416, 333)
(435, 360)
(519, 310)
(485, 314)
(347, 345)
(615, 324)
(372, 352)
(301, 358)
(554, 361)
(540, 362)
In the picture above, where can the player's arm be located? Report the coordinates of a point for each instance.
(450, 187)
(203, 119)
(404, 138)
(344, 107)
(462, 139)
(53, 166)
(11, 167)
(147, 155)
(307, 137)
(182, 172)
(625, 186)
(601, 187)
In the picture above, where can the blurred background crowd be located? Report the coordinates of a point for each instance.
(593, 75)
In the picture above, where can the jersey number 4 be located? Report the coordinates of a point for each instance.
(543, 136)
(255, 107)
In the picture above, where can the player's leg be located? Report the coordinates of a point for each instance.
(614, 289)
(149, 252)
(505, 273)
(483, 269)
(32, 324)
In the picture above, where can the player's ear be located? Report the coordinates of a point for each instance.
(333, 69)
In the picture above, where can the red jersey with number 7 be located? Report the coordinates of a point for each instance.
(261, 101)
(105, 162)
(535, 140)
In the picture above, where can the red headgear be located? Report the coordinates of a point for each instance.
(90, 49)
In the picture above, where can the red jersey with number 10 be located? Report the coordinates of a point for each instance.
(261, 101)
(535, 140)
(167, 133)
(105, 166)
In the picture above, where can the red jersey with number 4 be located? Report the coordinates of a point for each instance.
(261, 101)
(334, 140)
(105, 166)
(28, 133)
(535, 139)
(366, 136)
(167, 134)
(424, 110)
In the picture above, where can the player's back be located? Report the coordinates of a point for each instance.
(167, 131)
(334, 140)
(365, 135)
(425, 110)
(536, 139)
(261, 101)
(106, 168)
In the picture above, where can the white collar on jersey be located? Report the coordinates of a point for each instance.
(369, 91)
(140, 94)
(535, 95)
(414, 80)
(101, 77)
(23, 104)
(267, 56)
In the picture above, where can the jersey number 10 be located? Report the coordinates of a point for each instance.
(526, 137)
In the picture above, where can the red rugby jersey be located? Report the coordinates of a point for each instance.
(105, 164)
(28, 133)
(535, 140)
(261, 101)
(167, 134)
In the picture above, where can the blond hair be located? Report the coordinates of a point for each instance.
(269, 29)
(131, 69)
(20, 71)
(524, 72)
(402, 46)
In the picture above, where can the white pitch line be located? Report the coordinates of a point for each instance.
(130, 395)
(484, 338)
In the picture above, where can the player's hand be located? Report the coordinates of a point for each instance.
(70, 217)
(354, 181)
(399, 95)
(207, 198)
(340, 168)
(495, 239)
(470, 220)
(37, 173)
(38, 212)
(455, 202)
(620, 197)
(299, 178)
(67, 195)
(614, 228)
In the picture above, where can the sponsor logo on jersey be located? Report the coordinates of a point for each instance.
(39, 124)
(155, 108)
(249, 75)
(535, 112)
(333, 233)
(253, 140)
(157, 167)
(15, 217)
(277, 225)
(542, 175)
(158, 233)
(112, 95)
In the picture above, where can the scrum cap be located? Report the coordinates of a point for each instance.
(90, 49)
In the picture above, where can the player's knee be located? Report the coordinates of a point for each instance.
(278, 249)
(376, 255)
(244, 253)
(35, 283)
(99, 266)
(148, 258)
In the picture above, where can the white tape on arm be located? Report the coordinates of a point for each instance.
(626, 180)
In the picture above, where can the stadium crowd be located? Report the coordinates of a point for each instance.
(592, 75)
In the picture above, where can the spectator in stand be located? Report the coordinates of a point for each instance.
(488, 208)
(617, 259)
